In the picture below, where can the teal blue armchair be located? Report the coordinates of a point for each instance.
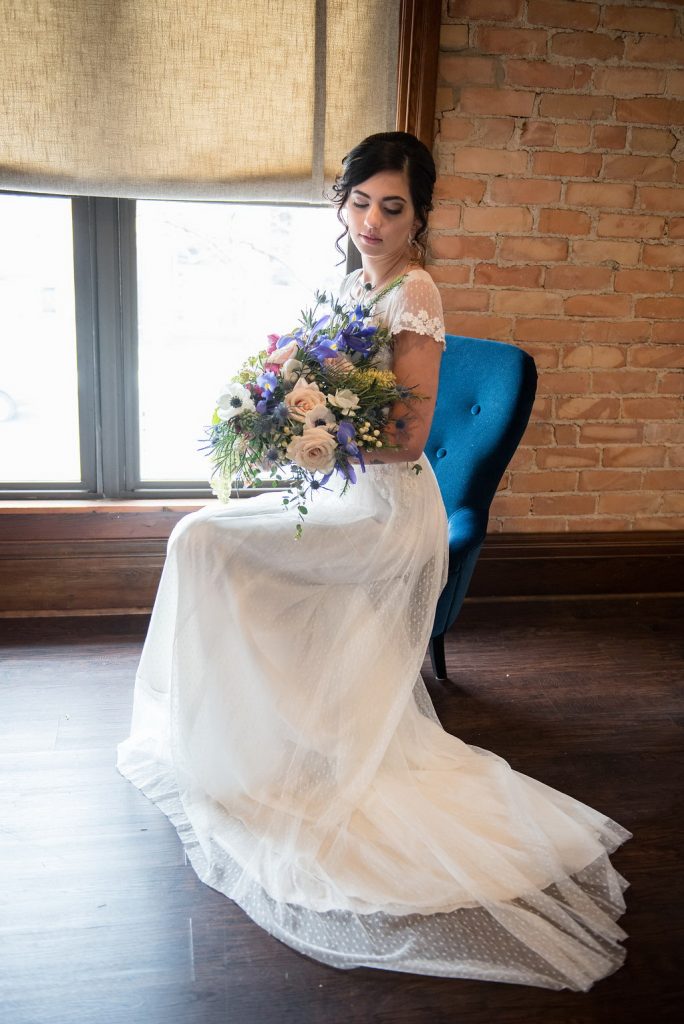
(486, 391)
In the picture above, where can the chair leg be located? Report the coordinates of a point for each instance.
(437, 657)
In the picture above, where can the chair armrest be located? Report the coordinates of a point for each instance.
(467, 530)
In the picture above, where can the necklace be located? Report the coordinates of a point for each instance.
(368, 289)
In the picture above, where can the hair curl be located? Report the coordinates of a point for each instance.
(389, 151)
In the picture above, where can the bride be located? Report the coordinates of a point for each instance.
(281, 722)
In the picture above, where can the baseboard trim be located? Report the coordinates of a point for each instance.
(109, 563)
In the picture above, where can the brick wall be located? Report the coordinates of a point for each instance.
(558, 226)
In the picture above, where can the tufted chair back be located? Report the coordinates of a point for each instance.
(486, 391)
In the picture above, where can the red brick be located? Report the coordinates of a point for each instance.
(445, 218)
(542, 408)
(546, 330)
(660, 308)
(523, 459)
(668, 199)
(586, 45)
(607, 136)
(465, 299)
(652, 140)
(597, 305)
(563, 14)
(539, 74)
(563, 504)
(603, 432)
(650, 111)
(538, 434)
(507, 277)
(456, 247)
(545, 356)
(453, 37)
(566, 433)
(629, 504)
(510, 505)
(663, 479)
(486, 10)
(676, 227)
(573, 107)
(656, 51)
(527, 190)
(652, 408)
(623, 254)
(567, 458)
(675, 82)
(609, 480)
(534, 524)
(566, 165)
(639, 19)
(526, 302)
(599, 524)
(642, 281)
(626, 81)
(672, 502)
(607, 332)
(538, 133)
(480, 100)
(564, 382)
(632, 455)
(667, 332)
(492, 161)
(661, 522)
(444, 100)
(470, 189)
(494, 131)
(534, 483)
(569, 278)
(456, 129)
(512, 41)
(619, 225)
(497, 219)
(671, 384)
(664, 255)
(605, 356)
(573, 136)
(544, 249)
(477, 70)
(564, 222)
(472, 325)
(667, 433)
(625, 382)
(641, 168)
(584, 193)
(592, 408)
(449, 273)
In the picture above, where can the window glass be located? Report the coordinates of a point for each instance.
(214, 279)
(39, 429)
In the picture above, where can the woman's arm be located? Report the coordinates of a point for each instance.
(417, 360)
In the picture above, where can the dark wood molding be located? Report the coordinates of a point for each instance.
(419, 28)
(108, 560)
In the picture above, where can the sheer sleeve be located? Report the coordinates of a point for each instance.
(417, 306)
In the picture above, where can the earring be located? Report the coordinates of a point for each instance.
(417, 247)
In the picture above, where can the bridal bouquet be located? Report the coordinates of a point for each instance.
(310, 402)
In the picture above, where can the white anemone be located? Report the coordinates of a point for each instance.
(233, 400)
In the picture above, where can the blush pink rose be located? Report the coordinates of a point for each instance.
(313, 450)
(303, 397)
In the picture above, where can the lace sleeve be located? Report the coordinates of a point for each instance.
(418, 307)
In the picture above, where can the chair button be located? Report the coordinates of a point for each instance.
(441, 452)
(475, 410)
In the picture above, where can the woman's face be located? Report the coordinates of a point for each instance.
(381, 215)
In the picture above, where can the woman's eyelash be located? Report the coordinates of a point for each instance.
(364, 206)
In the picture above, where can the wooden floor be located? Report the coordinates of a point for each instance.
(102, 920)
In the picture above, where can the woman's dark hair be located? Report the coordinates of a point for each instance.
(389, 151)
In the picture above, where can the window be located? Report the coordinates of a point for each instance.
(121, 320)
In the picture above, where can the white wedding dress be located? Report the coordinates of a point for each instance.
(281, 722)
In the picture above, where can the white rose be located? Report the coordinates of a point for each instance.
(291, 369)
(320, 416)
(303, 397)
(345, 400)
(313, 450)
(233, 400)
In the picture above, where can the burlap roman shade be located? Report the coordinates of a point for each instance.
(207, 99)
